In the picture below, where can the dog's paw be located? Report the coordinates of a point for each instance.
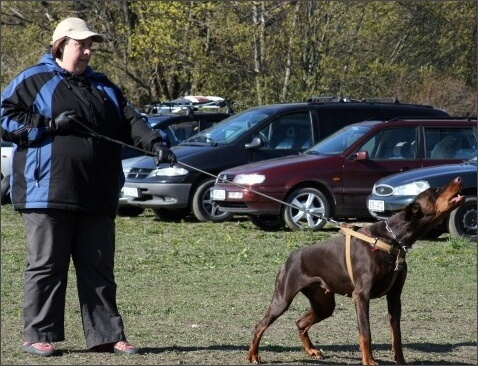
(316, 353)
(254, 359)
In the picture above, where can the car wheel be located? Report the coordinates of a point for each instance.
(462, 221)
(204, 208)
(312, 200)
(131, 211)
(169, 215)
(267, 222)
(5, 194)
(433, 234)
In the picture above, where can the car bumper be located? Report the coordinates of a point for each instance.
(391, 205)
(249, 202)
(156, 195)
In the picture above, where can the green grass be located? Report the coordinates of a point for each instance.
(190, 293)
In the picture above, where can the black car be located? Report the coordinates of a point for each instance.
(177, 127)
(174, 127)
(391, 193)
(256, 134)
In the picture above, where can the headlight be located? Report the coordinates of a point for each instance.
(411, 189)
(174, 171)
(249, 179)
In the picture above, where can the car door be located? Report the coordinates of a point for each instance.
(289, 134)
(389, 151)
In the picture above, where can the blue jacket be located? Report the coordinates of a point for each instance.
(75, 172)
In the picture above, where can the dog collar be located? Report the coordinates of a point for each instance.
(395, 237)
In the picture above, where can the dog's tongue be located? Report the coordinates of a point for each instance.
(457, 199)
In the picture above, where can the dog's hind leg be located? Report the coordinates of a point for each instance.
(322, 306)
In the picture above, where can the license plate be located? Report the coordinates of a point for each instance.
(131, 192)
(218, 194)
(376, 205)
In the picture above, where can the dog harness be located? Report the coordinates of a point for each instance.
(375, 243)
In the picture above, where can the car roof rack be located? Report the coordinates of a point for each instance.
(185, 105)
(330, 99)
(381, 100)
(340, 99)
(465, 118)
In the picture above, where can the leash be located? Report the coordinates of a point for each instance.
(149, 153)
(375, 243)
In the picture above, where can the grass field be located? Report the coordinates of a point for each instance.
(191, 293)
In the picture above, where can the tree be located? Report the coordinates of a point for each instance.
(259, 52)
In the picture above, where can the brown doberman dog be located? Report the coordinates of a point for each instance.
(371, 265)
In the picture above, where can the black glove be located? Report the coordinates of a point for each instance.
(64, 123)
(163, 155)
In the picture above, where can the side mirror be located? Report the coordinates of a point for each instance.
(361, 155)
(256, 142)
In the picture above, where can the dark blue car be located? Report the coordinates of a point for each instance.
(391, 193)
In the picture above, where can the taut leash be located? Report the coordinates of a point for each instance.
(150, 153)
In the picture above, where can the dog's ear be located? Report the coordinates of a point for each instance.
(413, 210)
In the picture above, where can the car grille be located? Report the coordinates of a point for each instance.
(225, 178)
(231, 204)
(139, 173)
(383, 190)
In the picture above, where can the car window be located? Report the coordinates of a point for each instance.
(333, 119)
(393, 143)
(338, 142)
(290, 132)
(231, 128)
(449, 143)
(184, 130)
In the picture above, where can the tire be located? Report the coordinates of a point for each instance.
(267, 222)
(433, 234)
(204, 209)
(307, 198)
(131, 211)
(5, 186)
(168, 215)
(462, 220)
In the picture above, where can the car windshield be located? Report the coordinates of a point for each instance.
(229, 129)
(338, 142)
(154, 120)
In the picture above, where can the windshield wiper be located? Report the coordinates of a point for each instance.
(312, 152)
(199, 140)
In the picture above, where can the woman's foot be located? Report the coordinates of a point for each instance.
(39, 348)
(122, 347)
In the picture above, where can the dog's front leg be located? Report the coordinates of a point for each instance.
(362, 304)
(304, 324)
(394, 315)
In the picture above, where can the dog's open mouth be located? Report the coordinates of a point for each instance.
(457, 199)
(451, 197)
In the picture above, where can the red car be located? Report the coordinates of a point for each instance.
(333, 178)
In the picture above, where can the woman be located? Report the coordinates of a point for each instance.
(65, 184)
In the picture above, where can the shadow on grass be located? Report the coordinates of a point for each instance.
(329, 349)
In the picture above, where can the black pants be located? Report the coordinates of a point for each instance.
(53, 236)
